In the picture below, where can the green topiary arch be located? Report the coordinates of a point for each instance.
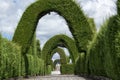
(72, 13)
(62, 54)
(62, 60)
(59, 40)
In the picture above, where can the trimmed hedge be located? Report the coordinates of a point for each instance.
(80, 64)
(77, 22)
(112, 64)
(56, 41)
(67, 69)
(97, 52)
(49, 69)
(104, 52)
(10, 59)
(38, 48)
(103, 55)
(13, 63)
(113, 40)
(93, 27)
(118, 7)
(61, 53)
(36, 65)
(33, 61)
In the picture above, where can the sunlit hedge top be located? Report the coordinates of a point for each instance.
(60, 40)
(71, 12)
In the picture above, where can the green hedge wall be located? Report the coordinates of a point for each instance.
(104, 52)
(10, 59)
(93, 27)
(36, 65)
(33, 51)
(112, 56)
(13, 63)
(67, 69)
(118, 6)
(80, 64)
(103, 56)
(53, 42)
(96, 53)
(38, 48)
(75, 18)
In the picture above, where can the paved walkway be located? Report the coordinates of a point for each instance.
(55, 72)
(58, 77)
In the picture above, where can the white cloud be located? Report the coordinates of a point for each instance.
(10, 14)
(50, 25)
(4, 6)
(99, 10)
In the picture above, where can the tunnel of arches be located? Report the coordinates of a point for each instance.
(59, 40)
(75, 18)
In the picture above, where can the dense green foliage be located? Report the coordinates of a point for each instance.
(99, 52)
(118, 7)
(10, 59)
(36, 65)
(80, 64)
(77, 22)
(93, 27)
(56, 41)
(103, 55)
(102, 58)
(67, 69)
(12, 63)
(38, 49)
(112, 65)
(61, 53)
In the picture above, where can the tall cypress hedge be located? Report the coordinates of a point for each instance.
(36, 65)
(103, 56)
(10, 59)
(80, 64)
(113, 39)
(67, 69)
(96, 53)
(33, 59)
(38, 48)
(112, 57)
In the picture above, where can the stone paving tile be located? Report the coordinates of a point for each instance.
(57, 77)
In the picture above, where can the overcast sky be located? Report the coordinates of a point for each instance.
(50, 24)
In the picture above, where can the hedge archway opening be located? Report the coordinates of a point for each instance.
(63, 59)
(76, 20)
(74, 16)
(62, 41)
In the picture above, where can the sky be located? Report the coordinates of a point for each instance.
(50, 24)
